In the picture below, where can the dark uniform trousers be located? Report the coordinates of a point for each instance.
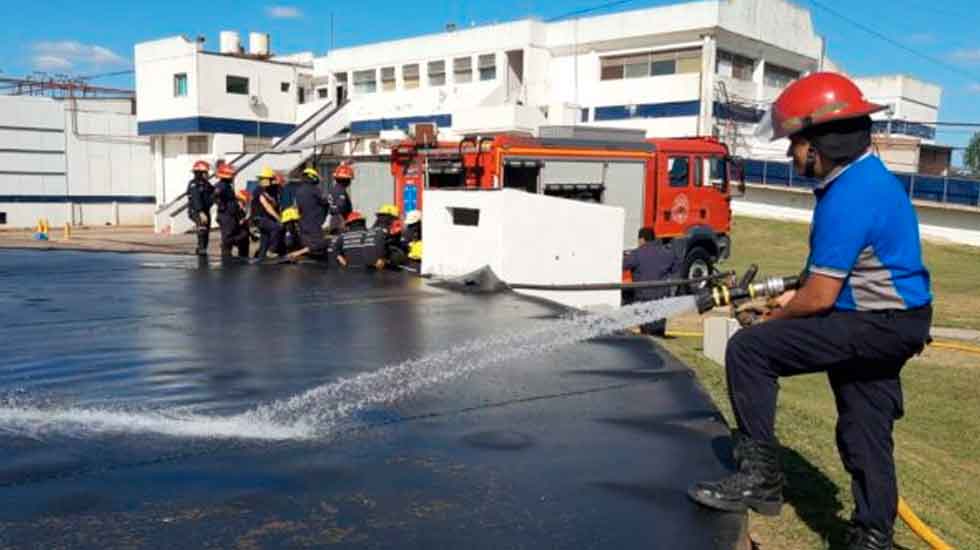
(234, 234)
(863, 354)
(270, 236)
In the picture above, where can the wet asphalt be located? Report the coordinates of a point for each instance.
(591, 446)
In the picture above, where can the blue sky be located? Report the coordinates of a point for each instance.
(68, 36)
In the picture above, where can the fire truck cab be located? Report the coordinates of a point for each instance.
(681, 187)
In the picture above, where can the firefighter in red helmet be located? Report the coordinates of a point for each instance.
(863, 310)
(340, 201)
(200, 198)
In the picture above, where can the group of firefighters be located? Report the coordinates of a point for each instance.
(298, 218)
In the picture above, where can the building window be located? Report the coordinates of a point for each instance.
(322, 93)
(198, 145)
(642, 65)
(366, 82)
(775, 76)
(284, 87)
(180, 85)
(734, 65)
(487, 64)
(301, 95)
(236, 85)
(436, 71)
(677, 171)
(257, 144)
(388, 79)
(463, 70)
(410, 75)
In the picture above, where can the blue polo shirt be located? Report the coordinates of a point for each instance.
(865, 231)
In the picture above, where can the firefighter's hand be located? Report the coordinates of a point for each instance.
(202, 218)
(751, 314)
(342, 261)
(782, 299)
(379, 264)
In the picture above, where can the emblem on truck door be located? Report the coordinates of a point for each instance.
(679, 209)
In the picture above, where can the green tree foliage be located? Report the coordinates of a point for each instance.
(971, 158)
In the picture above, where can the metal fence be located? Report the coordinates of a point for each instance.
(942, 189)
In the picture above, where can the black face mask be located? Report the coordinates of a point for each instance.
(810, 167)
(841, 142)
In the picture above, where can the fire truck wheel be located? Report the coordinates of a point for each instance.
(697, 263)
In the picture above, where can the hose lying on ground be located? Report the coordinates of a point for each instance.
(920, 528)
(621, 286)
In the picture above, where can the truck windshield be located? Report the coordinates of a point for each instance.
(718, 173)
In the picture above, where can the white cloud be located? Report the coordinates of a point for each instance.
(51, 63)
(283, 12)
(65, 54)
(966, 55)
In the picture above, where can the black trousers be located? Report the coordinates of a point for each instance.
(631, 296)
(863, 354)
(314, 240)
(234, 235)
(203, 229)
(271, 236)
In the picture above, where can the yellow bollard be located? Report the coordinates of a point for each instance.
(67, 235)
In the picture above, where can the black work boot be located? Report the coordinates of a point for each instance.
(866, 538)
(758, 484)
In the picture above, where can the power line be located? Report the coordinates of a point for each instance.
(584, 11)
(106, 75)
(896, 43)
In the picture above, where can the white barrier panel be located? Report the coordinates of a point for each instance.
(526, 238)
(937, 221)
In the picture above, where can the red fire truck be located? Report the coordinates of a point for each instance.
(680, 187)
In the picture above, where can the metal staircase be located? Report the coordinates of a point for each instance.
(285, 154)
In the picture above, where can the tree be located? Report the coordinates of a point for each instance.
(971, 158)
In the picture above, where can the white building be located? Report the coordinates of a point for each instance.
(701, 68)
(76, 161)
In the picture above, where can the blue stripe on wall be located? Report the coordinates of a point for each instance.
(80, 199)
(648, 110)
(374, 126)
(214, 125)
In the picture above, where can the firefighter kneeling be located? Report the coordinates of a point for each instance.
(360, 247)
(862, 311)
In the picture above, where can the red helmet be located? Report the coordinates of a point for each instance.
(201, 166)
(817, 99)
(225, 171)
(354, 216)
(343, 172)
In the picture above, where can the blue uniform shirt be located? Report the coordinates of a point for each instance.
(866, 232)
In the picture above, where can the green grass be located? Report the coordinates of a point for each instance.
(780, 248)
(937, 453)
(937, 443)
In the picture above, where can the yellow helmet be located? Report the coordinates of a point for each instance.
(290, 214)
(415, 250)
(311, 173)
(266, 173)
(389, 209)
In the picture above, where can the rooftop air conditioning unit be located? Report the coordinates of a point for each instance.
(423, 133)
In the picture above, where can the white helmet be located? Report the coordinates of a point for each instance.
(413, 217)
